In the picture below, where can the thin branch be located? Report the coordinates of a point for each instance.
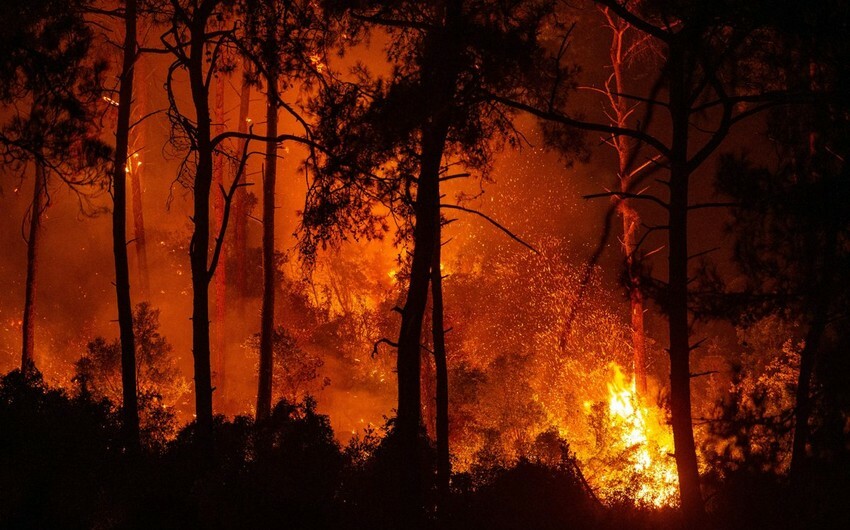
(382, 341)
(493, 222)
(554, 116)
(228, 200)
(626, 195)
(635, 21)
(703, 253)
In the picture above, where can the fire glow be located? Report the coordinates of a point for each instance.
(643, 445)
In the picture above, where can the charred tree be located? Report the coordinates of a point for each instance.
(37, 207)
(444, 466)
(120, 170)
(221, 272)
(264, 385)
(624, 146)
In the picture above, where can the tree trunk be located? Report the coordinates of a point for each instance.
(408, 418)
(631, 220)
(439, 73)
(444, 469)
(135, 173)
(803, 393)
(264, 385)
(199, 245)
(808, 356)
(221, 270)
(692, 505)
(36, 211)
(130, 409)
(240, 235)
(814, 336)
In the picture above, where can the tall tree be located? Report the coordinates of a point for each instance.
(120, 172)
(197, 27)
(283, 41)
(51, 77)
(221, 272)
(444, 463)
(194, 29)
(447, 57)
(703, 47)
(621, 53)
(792, 226)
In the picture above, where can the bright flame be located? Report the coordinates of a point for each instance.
(642, 445)
(316, 60)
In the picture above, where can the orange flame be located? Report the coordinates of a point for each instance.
(643, 444)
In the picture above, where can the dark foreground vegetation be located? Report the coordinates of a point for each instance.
(61, 466)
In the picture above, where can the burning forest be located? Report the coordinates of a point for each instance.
(440, 264)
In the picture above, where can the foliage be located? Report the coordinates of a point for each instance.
(51, 77)
(57, 454)
(161, 387)
(296, 373)
(753, 422)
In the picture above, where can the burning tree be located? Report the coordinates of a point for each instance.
(702, 49)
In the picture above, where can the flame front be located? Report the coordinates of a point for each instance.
(639, 459)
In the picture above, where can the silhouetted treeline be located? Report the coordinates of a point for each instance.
(63, 466)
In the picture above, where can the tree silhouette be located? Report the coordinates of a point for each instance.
(51, 77)
(120, 171)
(447, 57)
(283, 42)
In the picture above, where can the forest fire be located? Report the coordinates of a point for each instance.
(643, 444)
(424, 265)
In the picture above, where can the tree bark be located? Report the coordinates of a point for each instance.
(631, 219)
(135, 165)
(221, 270)
(36, 211)
(264, 385)
(444, 469)
(240, 230)
(130, 409)
(692, 505)
(439, 73)
(199, 245)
